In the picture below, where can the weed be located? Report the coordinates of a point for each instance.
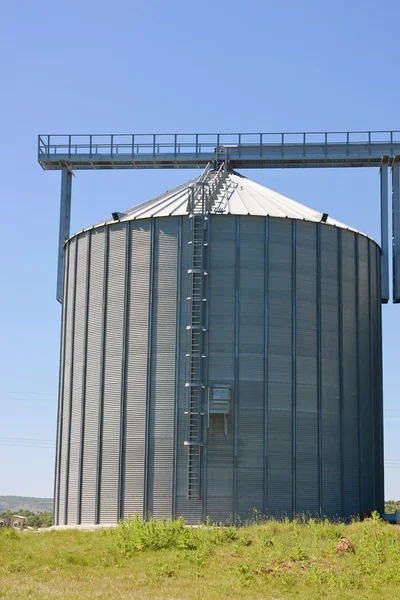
(375, 516)
(245, 573)
(150, 559)
(136, 535)
(164, 569)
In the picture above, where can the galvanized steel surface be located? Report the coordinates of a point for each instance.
(237, 195)
(294, 329)
(195, 150)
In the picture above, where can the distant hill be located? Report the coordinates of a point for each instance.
(25, 503)
(36, 505)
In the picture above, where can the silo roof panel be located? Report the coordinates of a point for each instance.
(237, 195)
(170, 202)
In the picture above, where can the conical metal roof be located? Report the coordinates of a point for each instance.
(236, 195)
(229, 193)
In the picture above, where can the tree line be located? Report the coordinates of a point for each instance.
(391, 506)
(39, 519)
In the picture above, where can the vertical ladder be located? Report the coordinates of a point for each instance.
(197, 332)
(202, 197)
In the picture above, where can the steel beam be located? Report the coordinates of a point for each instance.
(266, 357)
(294, 374)
(65, 220)
(384, 231)
(241, 157)
(396, 228)
(242, 150)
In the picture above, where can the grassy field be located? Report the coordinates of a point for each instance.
(169, 561)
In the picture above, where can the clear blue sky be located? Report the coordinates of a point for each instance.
(156, 66)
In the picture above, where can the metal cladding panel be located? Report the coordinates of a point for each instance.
(365, 379)
(93, 375)
(250, 461)
(307, 406)
(375, 281)
(350, 349)
(77, 377)
(56, 505)
(136, 370)
(331, 504)
(191, 510)
(162, 385)
(320, 292)
(374, 378)
(113, 346)
(222, 311)
(279, 357)
(250, 493)
(66, 416)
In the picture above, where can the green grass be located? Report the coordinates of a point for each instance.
(149, 560)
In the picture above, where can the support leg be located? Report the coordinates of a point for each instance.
(384, 232)
(65, 218)
(396, 228)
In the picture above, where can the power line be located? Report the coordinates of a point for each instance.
(27, 400)
(390, 463)
(28, 446)
(27, 442)
(30, 393)
(11, 439)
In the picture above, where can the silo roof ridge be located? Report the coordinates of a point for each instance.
(238, 195)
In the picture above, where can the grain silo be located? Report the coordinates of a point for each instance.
(221, 352)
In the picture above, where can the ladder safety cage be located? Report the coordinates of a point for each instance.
(201, 197)
(196, 335)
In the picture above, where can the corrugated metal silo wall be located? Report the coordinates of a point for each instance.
(116, 433)
(162, 370)
(94, 343)
(294, 329)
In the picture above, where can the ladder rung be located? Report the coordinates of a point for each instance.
(199, 204)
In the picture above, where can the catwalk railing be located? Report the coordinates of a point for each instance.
(243, 150)
(239, 151)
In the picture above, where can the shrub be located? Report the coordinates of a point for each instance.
(136, 535)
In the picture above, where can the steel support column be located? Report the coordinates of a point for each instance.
(396, 228)
(294, 374)
(384, 231)
(124, 370)
(236, 373)
(266, 357)
(65, 218)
